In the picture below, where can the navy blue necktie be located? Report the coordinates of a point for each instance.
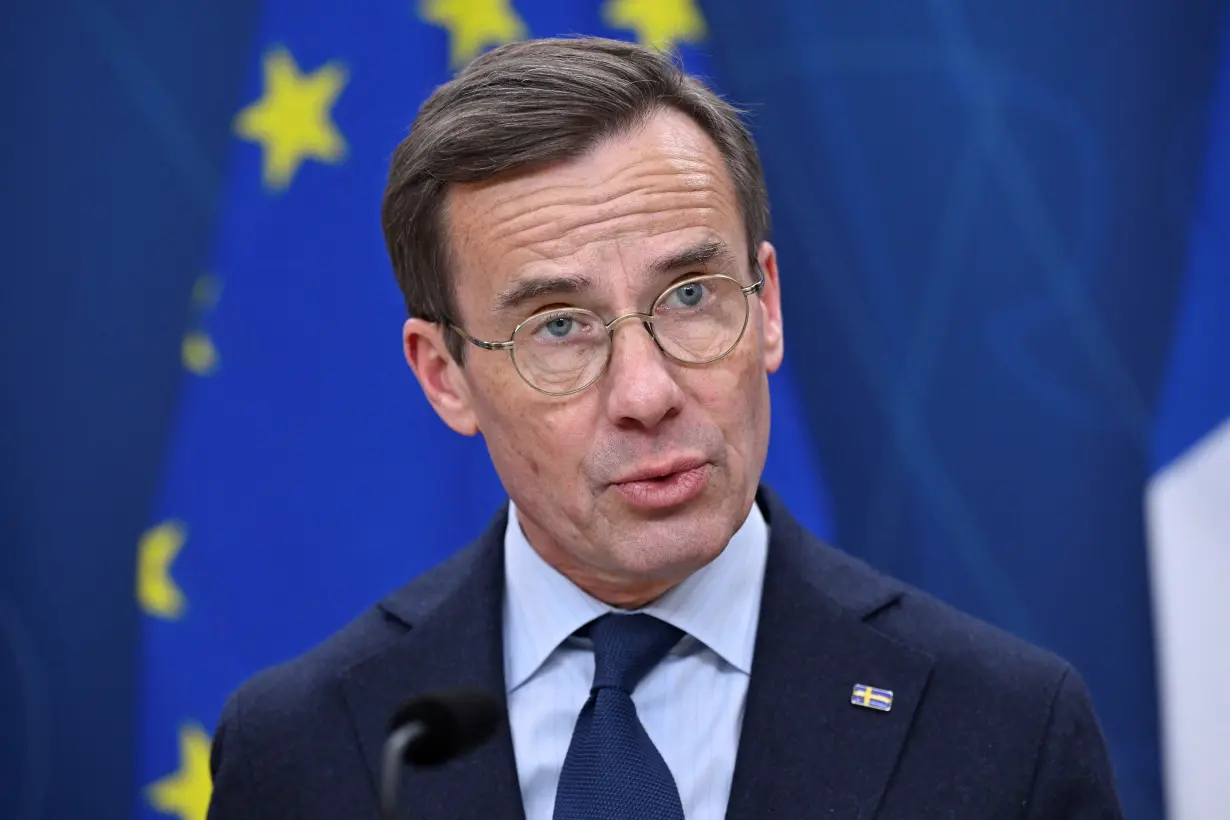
(612, 770)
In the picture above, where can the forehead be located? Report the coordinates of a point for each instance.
(633, 197)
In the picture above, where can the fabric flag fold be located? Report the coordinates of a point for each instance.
(1188, 504)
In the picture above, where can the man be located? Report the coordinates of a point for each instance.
(580, 233)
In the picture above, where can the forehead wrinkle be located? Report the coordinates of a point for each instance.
(580, 176)
(559, 219)
(550, 240)
(534, 221)
(546, 230)
(548, 196)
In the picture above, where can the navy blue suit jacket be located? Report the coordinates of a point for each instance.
(982, 725)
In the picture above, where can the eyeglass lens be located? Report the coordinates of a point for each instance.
(697, 321)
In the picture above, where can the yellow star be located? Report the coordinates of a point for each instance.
(185, 793)
(473, 25)
(157, 592)
(657, 23)
(292, 120)
(197, 351)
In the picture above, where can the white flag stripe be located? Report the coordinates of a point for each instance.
(1188, 509)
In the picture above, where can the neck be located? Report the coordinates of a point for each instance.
(623, 596)
(620, 590)
(617, 588)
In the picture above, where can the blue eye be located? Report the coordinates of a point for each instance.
(559, 326)
(563, 328)
(691, 294)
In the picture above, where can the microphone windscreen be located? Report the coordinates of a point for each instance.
(453, 723)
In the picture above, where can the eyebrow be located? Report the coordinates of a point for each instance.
(527, 290)
(695, 256)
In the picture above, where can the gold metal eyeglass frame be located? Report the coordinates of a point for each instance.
(647, 320)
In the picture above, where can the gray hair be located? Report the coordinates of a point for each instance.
(533, 103)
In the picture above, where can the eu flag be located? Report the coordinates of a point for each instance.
(308, 476)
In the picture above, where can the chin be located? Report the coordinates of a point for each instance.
(676, 545)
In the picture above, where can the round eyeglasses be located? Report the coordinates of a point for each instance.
(561, 351)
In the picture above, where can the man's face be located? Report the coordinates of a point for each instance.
(635, 482)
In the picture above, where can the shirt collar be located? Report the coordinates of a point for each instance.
(718, 605)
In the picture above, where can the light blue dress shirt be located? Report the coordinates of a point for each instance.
(691, 704)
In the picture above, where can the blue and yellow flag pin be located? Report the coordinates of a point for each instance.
(872, 698)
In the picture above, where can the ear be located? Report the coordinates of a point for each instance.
(441, 378)
(771, 309)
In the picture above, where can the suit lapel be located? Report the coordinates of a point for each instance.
(805, 750)
(453, 640)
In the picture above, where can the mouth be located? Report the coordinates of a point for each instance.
(656, 487)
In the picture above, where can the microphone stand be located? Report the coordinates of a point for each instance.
(394, 755)
(431, 730)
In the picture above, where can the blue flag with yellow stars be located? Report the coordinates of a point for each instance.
(308, 476)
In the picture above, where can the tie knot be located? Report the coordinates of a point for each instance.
(626, 647)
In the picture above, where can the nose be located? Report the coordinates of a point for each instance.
(641, 390)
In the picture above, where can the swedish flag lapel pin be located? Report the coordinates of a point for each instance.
(871, 697)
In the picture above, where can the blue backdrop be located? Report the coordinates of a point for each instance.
(115, 125)
(982, 212)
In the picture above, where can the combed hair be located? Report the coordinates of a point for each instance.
(534, 103)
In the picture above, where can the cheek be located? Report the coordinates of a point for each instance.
(563, 434)
(733, 397)
(529, 436)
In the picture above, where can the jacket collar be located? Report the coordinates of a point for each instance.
(803, 746)
(805, 749)
(452, 640)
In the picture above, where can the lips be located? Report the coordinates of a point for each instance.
(660, 471)
(661, 486)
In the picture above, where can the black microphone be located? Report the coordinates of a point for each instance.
(432, 730)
